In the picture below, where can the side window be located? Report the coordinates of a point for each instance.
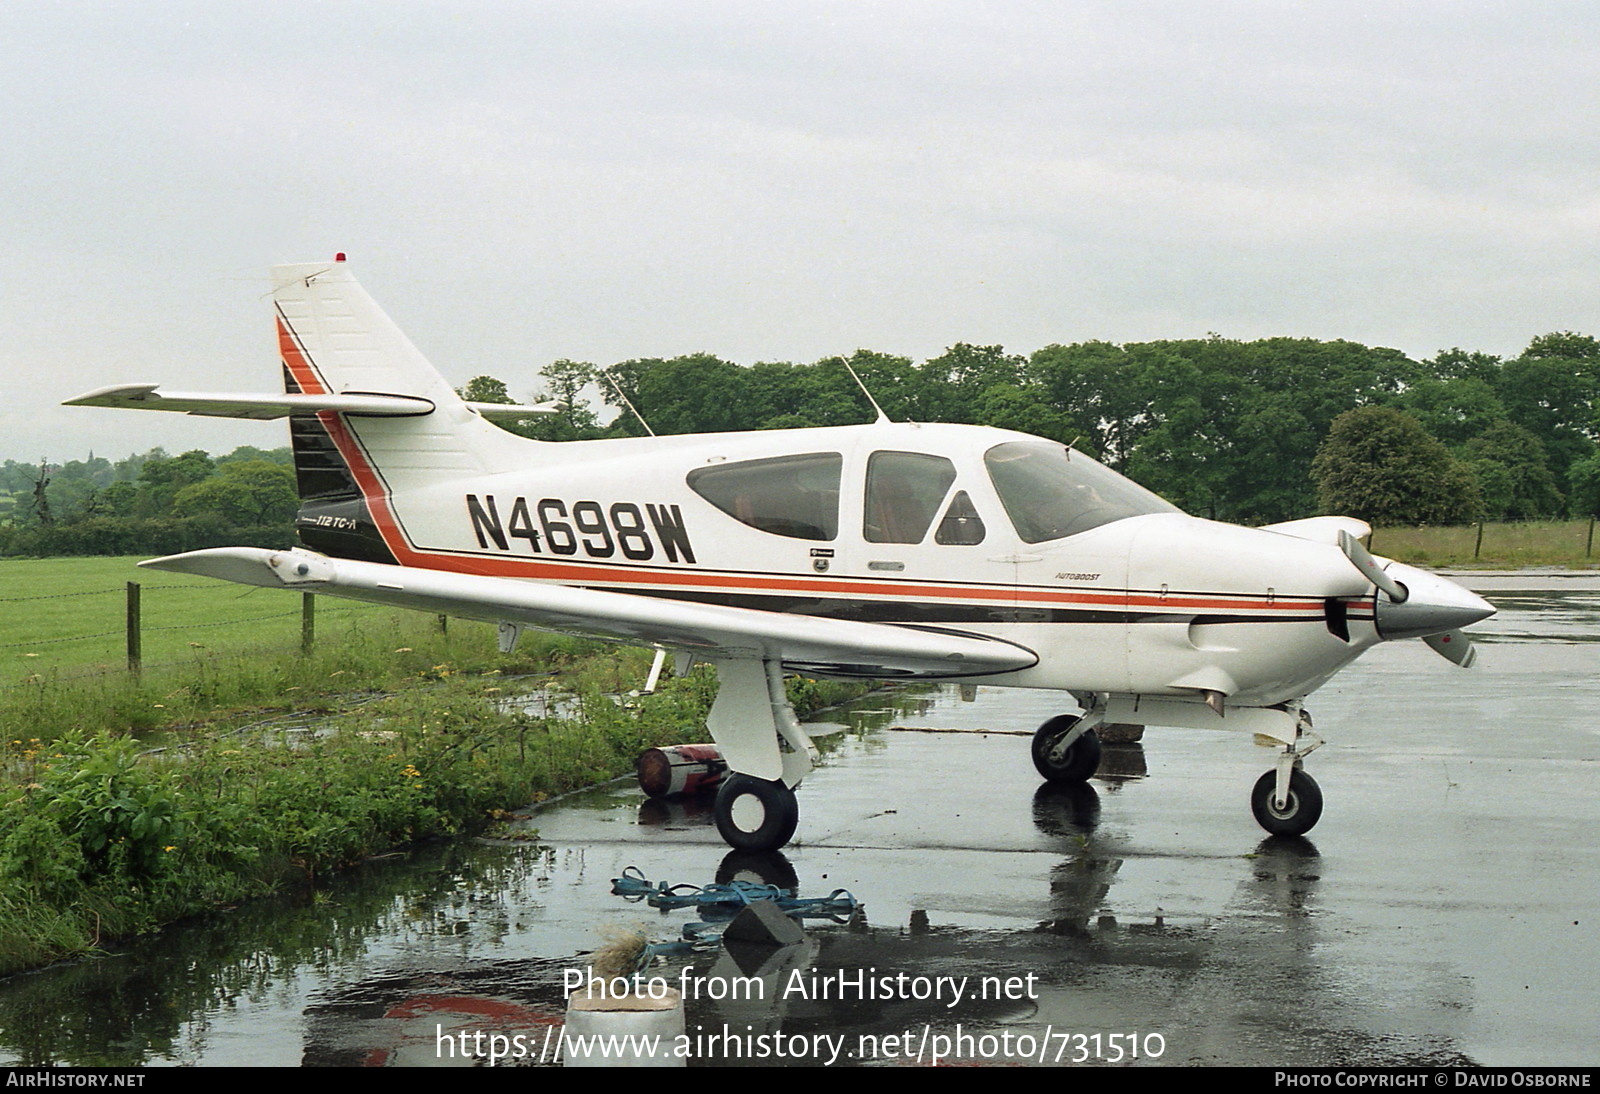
(961, 526)
(795, 496)
(904, 490)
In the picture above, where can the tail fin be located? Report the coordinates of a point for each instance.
(334, 340)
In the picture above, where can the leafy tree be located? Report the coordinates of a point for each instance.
(1379, 464)
(485, 389)
(695, 393)
(565, 382)
(248, 452)
(160, 479)
(251, 492)
(1553, 391)
(1513, 474)
(1454, 409)
(1583, 480)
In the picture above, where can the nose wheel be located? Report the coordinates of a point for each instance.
(1297, 814)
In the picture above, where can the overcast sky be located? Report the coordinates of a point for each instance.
(521, 182)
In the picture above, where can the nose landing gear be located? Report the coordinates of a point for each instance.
(1298, 811)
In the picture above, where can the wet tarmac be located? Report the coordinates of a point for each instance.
(1445, 910)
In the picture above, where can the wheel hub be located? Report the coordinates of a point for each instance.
(748, 813)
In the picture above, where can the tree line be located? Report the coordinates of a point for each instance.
(1252, 432)
(150, 503)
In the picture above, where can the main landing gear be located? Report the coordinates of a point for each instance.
(1063, 756)
(755, 814)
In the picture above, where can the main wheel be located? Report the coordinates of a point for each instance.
(1298, 815)
(1081, 760)
(754, 814)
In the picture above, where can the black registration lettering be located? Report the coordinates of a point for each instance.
(631, 536)
(601, 531)
(591, 520)
(486, 520)
(668, 521)
(521, 525)
(557, 533)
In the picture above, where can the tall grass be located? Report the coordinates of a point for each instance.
(1500, 546)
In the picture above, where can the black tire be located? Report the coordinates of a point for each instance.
(1081, 761)
(754, 814)
(1298, 816)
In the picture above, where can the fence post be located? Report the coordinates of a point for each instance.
(308, 621)
(135, 652)
(1477, 548)
(1588, 549)
(444, 624)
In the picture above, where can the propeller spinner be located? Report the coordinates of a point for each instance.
(1419, 604)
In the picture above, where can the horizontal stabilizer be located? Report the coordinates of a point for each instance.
(263, 407)
(513, 411)
(813, 644)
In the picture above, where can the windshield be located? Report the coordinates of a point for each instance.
(1049, 494)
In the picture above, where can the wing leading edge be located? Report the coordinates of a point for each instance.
(831, 647)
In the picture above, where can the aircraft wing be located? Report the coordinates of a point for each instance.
(833, 647)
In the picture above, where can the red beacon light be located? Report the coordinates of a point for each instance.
(339, 257)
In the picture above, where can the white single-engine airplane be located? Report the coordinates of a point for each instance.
(893, 550)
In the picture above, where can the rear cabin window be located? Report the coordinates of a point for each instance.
(795, 496)
(1048, 494)
(904, 490)
(961, 526)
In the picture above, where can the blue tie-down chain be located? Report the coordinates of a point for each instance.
(722, 902)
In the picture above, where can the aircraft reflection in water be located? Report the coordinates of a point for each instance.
(892, 550)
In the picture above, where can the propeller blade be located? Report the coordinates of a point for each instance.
(1454, 646)
(1362, 560)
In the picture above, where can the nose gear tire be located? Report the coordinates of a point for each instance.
(1298, 815)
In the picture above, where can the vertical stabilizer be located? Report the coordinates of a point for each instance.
(334, 339)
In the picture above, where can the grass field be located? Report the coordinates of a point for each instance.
(1503, 546)
(67, 616)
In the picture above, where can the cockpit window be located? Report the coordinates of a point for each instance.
(1049, 495)
(904, 490)
(795, 496)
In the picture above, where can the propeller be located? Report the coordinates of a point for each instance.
(1420, 604)
(1362, 559)
(1454, 646)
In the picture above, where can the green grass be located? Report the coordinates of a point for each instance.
(69, 616)
(98, 841)
(1504, 546)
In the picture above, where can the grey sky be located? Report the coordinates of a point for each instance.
(517, 183)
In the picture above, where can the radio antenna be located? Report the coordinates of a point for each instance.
(882, 417)
(626, 402)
